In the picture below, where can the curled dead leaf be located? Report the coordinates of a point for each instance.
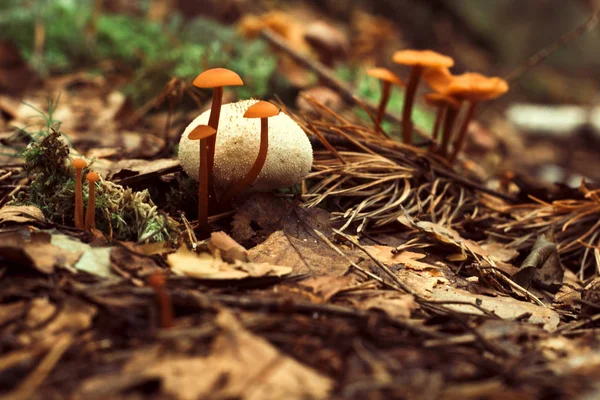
(21, 214)
(206, 266)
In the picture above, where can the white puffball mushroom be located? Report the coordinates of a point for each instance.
(289, 156)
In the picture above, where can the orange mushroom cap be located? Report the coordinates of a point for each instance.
(425, 58)
(262, 109)
(476, 87)
(201, 132)
(437, 99)
(438, 79)
(217, 77)
(385, 74)
(79, 163)
(92, 177)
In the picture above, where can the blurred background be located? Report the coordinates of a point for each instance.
(111, 62)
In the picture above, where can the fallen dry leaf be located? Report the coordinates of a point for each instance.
(45, 319)
(240, 365)
(328, 286)
(408, 259)
(306, 256)
(230, 250)
(541, 267)
(255, 370)
(394, 304)
(36, 251)
(206, 266)
(21, 214)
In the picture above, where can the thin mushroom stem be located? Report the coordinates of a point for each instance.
(438, 121)
(449, 119)
(90, 217)
(409, 98)
(203, 189)
(251, 176)
(78, 200)
(386, 89)
(213, 121)
(462, 133)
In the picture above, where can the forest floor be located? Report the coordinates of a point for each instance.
(388, 273)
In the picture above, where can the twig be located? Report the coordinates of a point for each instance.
(546, 52)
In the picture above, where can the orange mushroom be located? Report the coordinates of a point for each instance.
(437, 79)
(473, 87)
(418, 60)
(387, 78)
(263, 110)
(203, 133)
(79, 165)
(215, 79)
(90, 216)
(441, 102)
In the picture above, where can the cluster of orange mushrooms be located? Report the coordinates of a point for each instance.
(91, 177)
(449, 93)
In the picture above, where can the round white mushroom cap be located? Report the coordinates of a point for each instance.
(289, 156)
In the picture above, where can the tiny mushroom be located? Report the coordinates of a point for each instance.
(387, 78)
(473, 88)
(263, 110)
(202, 133)
(215, 79)
(441, 102)
(157, 282)
(90, 216)
(419, 60)
(79, 165)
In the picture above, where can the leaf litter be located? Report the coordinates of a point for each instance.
(306, 298)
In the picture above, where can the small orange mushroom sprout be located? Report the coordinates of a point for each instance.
(157, 282)
(90, 216)
(419, 60)
(79, 165)
(203, 133)
(215, 79)
(387, 78)
(263, 110)
(473, 87)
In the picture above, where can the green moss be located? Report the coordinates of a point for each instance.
(154, 51)
(120, 212)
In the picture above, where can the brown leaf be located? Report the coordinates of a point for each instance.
(542, 267)
(21, 214)
(254, 370)
(35, 251)
(130, 167)
(45, 319)
(205, 266)
(228, 249)
(132, 265)
(394, 304)
(407, 259)
(304, 255)
(446, 235)
(328, 286)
